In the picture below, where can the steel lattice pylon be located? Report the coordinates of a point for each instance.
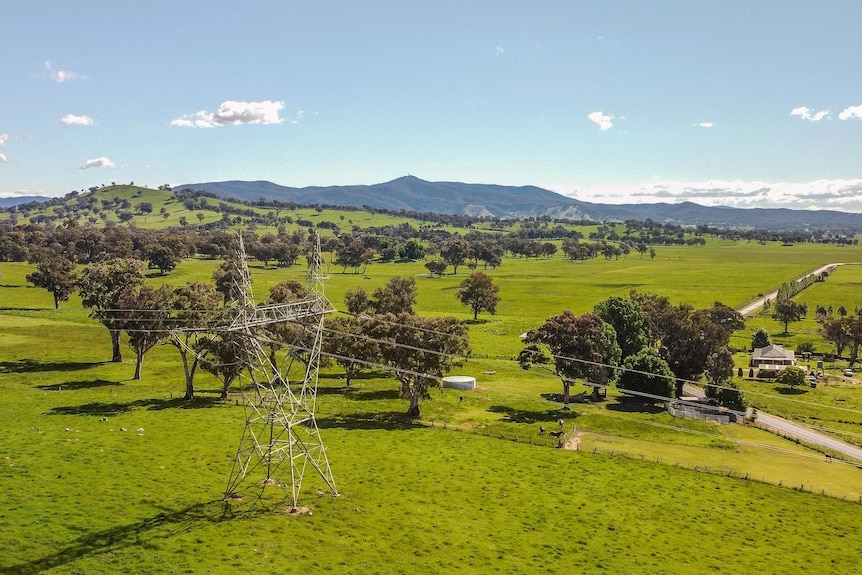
(281, 437)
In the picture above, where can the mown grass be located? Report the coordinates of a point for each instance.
(97, 499)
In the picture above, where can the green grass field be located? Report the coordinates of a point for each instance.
(645, 492)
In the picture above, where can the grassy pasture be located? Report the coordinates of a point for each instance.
(95, 499)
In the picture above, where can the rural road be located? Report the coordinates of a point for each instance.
(752, 306)
(784, 427)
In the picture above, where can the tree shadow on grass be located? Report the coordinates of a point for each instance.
(139, 534)
(104, 409)
(531, 416)
(787, 390)
(31, 365)
(369, 420)
(635, 407)
(371, 395)
(73, 385)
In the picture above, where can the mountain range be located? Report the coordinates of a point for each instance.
(410, 193)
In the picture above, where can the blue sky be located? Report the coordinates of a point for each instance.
(743, 103)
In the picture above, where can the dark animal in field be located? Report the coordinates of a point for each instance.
(555, 433)
(541, 430)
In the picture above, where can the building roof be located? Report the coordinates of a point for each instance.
(773, 351)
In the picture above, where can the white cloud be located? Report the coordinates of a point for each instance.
(706, 124)
(297, 118)
(851, 112)
(100, 162)
(61, 76)
(3, 158)
(73, 120)
(805, 113)
(839, 195)
(232, 113)
(604, 122)
(499, 50)
(3, 138)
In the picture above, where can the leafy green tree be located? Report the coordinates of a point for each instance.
(479, 293)
(836, 331)
(225, 356)
(455, 252)
(646, 372)
(396, 297)
(436, 267)
(357, 301)
(230, 279)
(353, 254)
(580, 347)
(163, 257)
(144, 314)
(791, 376)
(412, 250)
(719, 375)
(760, 339)
(283, 333)
(420, 350)
(348, 345)
(55, 273)
(787, 311)
(629, 322)
(194, 305)
(101, 285)
(685, 337)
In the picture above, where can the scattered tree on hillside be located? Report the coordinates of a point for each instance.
(686, 337)
(579, 346)
(436, 267)
(629, 322)
(455, 252)
(144, 315)
(791, 376)
(479, 293)
(55, 273)
(646, 372)
(398, 296)
(760, 339)
(348, 345)
(353, 254)
(719, 376)
(357, 301)
(283, 333)
(787, 311)
(225, 355)
(230, 279)
(420, 350)
(837, 332)
(101, 286)
(194, 305)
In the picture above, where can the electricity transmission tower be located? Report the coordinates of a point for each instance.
(281, 439)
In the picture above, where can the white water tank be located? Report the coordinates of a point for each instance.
(462, 382)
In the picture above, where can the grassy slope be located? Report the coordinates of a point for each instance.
(96, 499)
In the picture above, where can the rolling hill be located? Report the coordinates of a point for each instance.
(414, 194)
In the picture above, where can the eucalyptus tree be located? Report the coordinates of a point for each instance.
(582, 346)
(101, 285)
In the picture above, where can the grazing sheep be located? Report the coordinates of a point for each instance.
(541, 430)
